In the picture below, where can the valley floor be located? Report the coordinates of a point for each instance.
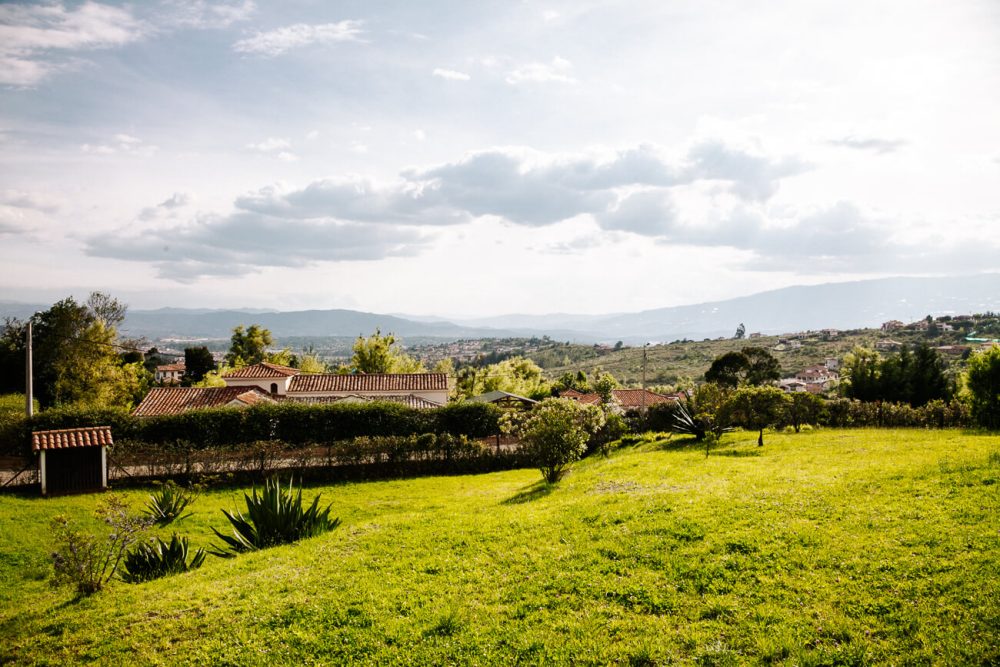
(827, 547)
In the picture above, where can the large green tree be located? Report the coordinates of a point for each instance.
(379, 354)
(752, 366)
(756, 408)
(197, 362)
(249, 346)
(915, 377)
(982, 381)
(554, 433)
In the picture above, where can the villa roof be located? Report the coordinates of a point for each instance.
(396, 383)
(261, 371)
(175, 400)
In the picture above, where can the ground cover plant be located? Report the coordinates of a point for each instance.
(825, 547)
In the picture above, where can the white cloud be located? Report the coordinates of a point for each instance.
(32, 35)
(122, 143)
(450, 74)
(270, 145)
(872, 144)
(202, 15)
(278, 41)
(558, 71)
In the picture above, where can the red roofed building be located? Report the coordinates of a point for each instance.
(175, 400)
(623, 399)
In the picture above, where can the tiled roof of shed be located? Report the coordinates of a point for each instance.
(632, 398)
(388, 382)
(409, 400)
(175, 400)
(167, 368)
(90, 436)
(261, 371)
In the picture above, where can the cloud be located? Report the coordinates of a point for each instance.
(450, 74)
(648, 212)
(30, 200)
(170, 206)
(121, 143)
(278, 41)
(31, 36)
(202, 15)
(275, 147)
(750, 175)
(872, 144)
(243, 242)
(558, 71)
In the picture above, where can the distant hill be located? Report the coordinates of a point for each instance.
(835, 305)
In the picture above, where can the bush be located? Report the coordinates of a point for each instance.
(88, 561)
(555, 433)
(274, 517)
(167, 504)
(156, 558)
(983, 383)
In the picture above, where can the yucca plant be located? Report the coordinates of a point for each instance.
(167, 504)
(156, 558)
(273, 517)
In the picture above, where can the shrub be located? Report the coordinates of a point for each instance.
(156, 558)
(88, 561)
(167, 504)
(274, 517)
(555, 433)
(983, 383)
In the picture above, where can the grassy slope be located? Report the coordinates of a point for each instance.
(832, 547)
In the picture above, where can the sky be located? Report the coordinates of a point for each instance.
(471, 159)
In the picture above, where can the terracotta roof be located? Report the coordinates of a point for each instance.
(408, 400)
(91, 436)
(632, 398)
(388, 382)
(261, 371)
(175, 400)
(586, 399)
(167, 368)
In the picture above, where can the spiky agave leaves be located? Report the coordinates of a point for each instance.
(274, 516)
(167, 504)
(155, 559)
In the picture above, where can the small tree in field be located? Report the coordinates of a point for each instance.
(803, 408)
(555, 433)
(757, 408)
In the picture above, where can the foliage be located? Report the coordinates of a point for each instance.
(197, 362)
(167, 503)
(982, 382)
(275, 516)
(803, 408)
(604, 384)
(377, 354)
(756, 408)
(555, 433)
(248, 346)
(75, 355)
(311, 363)
(515, 375)
(156, 558)
(915, 377)
(88, 561)
(752, 366)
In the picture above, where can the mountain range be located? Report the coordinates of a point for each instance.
(847, 305)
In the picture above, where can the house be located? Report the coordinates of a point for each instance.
(169, 373)
(284, 383)
(175, 400)
(832, 363)
(791, 385)
(892, 325)
(888, 344)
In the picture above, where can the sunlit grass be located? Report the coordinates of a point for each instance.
(830, 547)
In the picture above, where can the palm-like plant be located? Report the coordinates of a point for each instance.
(273, 517)
(155, 559)
(167, 504)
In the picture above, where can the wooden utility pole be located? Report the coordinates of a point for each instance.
(644, 348)
(29, 403)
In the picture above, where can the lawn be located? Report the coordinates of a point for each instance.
(821, 548)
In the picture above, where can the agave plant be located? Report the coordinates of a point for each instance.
(275, 516)
(156, 558)
(167, 504)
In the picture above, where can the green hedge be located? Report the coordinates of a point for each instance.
(290, 423)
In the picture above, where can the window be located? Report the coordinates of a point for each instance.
(274, 387)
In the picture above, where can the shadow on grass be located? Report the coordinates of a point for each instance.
(539, 489)
(738, 453)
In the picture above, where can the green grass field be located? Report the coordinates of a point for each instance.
(822, 548)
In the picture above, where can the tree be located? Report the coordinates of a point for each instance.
(762, 367)
(197, 362)
(376, 354)
(751, 365)
(862, 372)
(75, 355)
(803, 408)
(515, 375)
(554, 433)
(310, 363)
(757, 408)
(982, 381)
(728, 369)
(248, 346)
(603, 385)
(741, 332)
